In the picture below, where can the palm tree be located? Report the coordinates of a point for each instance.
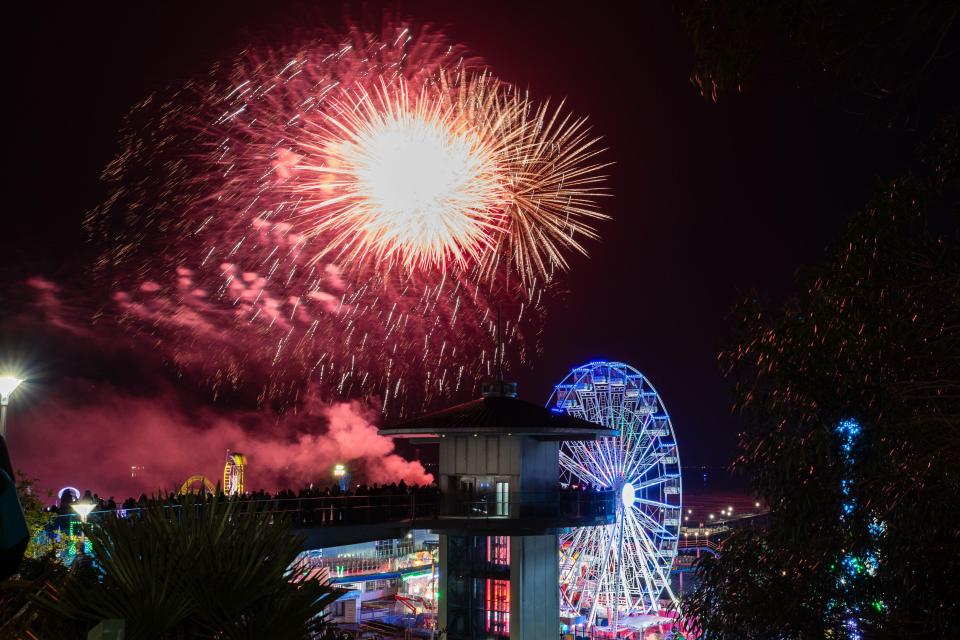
(202, 569)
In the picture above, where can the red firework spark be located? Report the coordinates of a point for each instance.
(252, 233)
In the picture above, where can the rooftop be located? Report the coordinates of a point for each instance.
(500, 414)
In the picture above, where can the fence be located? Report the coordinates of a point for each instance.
(408, 508)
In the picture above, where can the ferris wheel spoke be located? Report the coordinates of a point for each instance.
(575, 461)
(658, 565)
(638, 436)
(650, 465)
(627, 587)
(655, 524)
(583, 470)
(636, 461)
(569, 554)
(601, 575)
(654, 552)
(646, 438)
(650, 483)
(605, 459)
(641, 537)
(654, 503)
(616, 448)
(575, 588)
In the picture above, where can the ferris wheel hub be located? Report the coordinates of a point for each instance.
(628, 495)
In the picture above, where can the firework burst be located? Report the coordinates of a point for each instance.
(463, 173)
(402, 178)
(344, 216)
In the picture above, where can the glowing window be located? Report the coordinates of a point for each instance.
(498, 607)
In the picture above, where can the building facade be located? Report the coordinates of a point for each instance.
(500, 511)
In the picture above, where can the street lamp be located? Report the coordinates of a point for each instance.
(7, 385)
(83, 508)
(340, 473)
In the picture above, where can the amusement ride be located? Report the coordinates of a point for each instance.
(615, 575)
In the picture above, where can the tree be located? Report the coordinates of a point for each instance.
(199, 570)
(876, 55)
(38, 518)
(874, 338)
(39, 576)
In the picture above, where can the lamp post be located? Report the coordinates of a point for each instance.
(83, 508)
(7, 385)
(340, 473)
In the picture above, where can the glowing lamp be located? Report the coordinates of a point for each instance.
(339, 471)
(84, 509)
(7, 385)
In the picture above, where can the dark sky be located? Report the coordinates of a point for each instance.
(711, 201)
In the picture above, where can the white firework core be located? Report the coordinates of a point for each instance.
(422, 185)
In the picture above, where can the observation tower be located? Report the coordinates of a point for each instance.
(502, 510)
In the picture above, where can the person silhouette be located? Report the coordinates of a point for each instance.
(14, 534)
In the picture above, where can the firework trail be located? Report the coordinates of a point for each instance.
(345, 216)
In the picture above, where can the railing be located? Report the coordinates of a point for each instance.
(562, 504)
(696, 543)
(340, 566)
(307, 511)
(407, 509)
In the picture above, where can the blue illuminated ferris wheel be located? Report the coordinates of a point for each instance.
(618, 572)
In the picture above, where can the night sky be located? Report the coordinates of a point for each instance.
(710, 201)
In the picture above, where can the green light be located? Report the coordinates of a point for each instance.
(417, 575)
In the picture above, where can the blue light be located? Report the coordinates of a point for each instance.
(877, 528)
(849, 430)
(642, 464)
(851, 565)
(853, 629)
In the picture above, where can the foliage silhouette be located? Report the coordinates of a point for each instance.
(208, 568)
(876, 338)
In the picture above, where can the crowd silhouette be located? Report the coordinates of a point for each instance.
(363, 504)
(310, 506)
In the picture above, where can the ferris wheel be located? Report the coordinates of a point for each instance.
(615, 574)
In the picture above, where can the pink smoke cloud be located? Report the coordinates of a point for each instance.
(115, 402)
(91, 440)
(48, 303)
